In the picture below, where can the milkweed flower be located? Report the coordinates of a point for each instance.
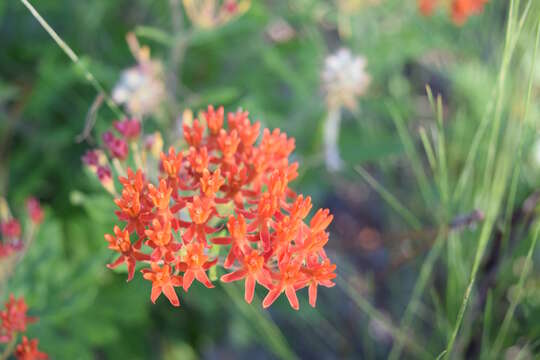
(344, 78)
(460, 10)
(13, 318)
(229, 188)
(27, 350)
(15, 241)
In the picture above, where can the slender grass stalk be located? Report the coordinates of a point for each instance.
(73, 57)
(413, 156)
(486, 326)
(269, 333)
(485, 121)
(425, 272)
(442, 180)
(373, 313)
(528, 261)
(428, 149)
(501, 336)
(390, 199)
(495, 182)
(495, 130)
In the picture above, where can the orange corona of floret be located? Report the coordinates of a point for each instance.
(225, 180)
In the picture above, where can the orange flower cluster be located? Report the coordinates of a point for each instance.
(227, 178)
(460, 9)
(14, 321)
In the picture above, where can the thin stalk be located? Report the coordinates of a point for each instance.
(71, 54)
(269, 332)
(372, 312)
(412, 306)
(390, 199)
(499, 340)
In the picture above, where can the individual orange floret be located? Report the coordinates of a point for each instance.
(28, 350)
(248, 132)
(161, 239)
(163, 281)
(254, 270)
(318, 274)
(289, 279)
(214, 119)
(194, 133)
(228, 143)
(194, 264)
(130, 254)
(171, 163)
(161, 197)
(211, 182)
(198, 159)
(238, 239)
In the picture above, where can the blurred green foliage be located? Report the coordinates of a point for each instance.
(88, 312)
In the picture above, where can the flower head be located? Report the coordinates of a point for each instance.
(344, 78)
(225, 173)
(27, 350)
(14, 318)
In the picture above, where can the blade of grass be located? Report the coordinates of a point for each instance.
(492, 193)
(495, 130)
(428, 149)
(373, 313)
(485, 121)
(73, 57)
(390, 199)
(418, 290)
(270, 334)
(499, 340)
(412, 154)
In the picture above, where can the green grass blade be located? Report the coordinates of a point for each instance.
(390, 199)
(73, 57)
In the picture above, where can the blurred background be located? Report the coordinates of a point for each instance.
(423, 194)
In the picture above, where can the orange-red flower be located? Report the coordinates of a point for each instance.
(28, 350)
(163, 281)
(253, 270)
(14, 318)
(194, 265)
(130, 254)
(224, 174)
(460, 10)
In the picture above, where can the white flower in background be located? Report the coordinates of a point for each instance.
(141, 88)
(344, 79)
